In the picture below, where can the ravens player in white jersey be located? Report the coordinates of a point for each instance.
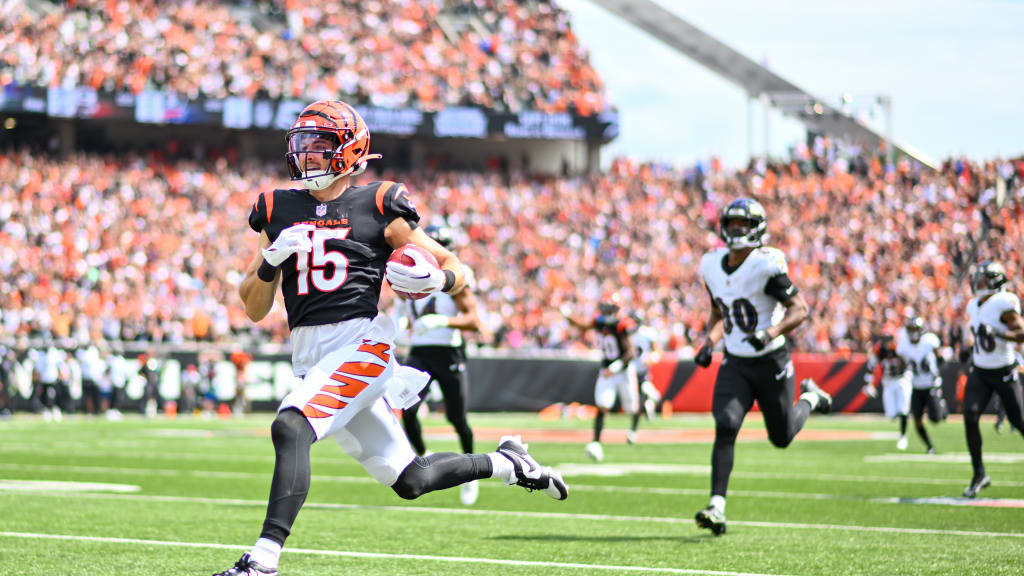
(437, 323)
(328, 246)
(896, 383)
(648, 348)
(996, 324)
(920, 349)
(753, 306)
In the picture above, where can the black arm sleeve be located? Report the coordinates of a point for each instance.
(781, 288)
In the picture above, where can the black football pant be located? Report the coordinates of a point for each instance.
(769, 379)
(293, 437)
(981, 384)
(444, 364)
(930, 400)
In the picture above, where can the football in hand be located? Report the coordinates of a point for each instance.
(402, 257)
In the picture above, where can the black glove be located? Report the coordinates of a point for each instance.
(758, 339)
(703, 357)
(964, 355)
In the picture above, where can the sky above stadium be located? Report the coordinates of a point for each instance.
(954, 70)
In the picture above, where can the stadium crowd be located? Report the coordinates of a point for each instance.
(500, 54)
(139, 247)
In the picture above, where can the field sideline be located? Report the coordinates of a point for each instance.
(187, 496)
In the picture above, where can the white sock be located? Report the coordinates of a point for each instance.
(811, 399)
(502, 467)
(718, 502)
(266, 552)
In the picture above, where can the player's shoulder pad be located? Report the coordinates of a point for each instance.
(262, 210)
(932, 340)
(1007, 301)
(711, 259)
(626, 325)
(387, 194)
(772, 261)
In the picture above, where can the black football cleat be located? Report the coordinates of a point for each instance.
(528, 473)
(711, 518)
(246, 566)
(809, 386)
(976, 485)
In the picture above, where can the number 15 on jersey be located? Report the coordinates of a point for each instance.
(313, 265)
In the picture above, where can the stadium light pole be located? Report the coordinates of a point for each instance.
(750, 127)
(886, 102)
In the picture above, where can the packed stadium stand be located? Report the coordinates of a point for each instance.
(499, 54)
(145, 239)
(138, 246)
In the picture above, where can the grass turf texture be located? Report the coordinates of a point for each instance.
(792, 511)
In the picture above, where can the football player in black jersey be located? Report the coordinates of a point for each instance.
(618, 373)
(328, 245)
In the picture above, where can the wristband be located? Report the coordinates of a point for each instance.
(266, 272)
(449, 280)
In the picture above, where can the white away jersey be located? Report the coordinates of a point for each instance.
(436, 303)
(991, 351)
(741, 297)
(643, 340)
(921, 358)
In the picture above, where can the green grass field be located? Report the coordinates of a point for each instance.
(195, 496)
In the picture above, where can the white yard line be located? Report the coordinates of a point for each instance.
(351, 554)
(694, 470)
(263, 476)
(525, 514)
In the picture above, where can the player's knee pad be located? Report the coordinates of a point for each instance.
(728, 422)
(972, 416)
(412, 482)
(290, 426)
(779, 439)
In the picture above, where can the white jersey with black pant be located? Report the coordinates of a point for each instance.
(993, 369)
(923, 361)
(440, 353)
(750, 297)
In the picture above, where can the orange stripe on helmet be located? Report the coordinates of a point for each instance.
(327, 401)
(310, 412)
(378, 349)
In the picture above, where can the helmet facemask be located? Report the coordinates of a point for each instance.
(743, 225)
(314, 157)
(988, 278)
(915, 329)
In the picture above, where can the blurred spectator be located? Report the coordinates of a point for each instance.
(137, 247)
(499, 54)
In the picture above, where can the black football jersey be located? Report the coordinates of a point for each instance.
(893, 365)
(614, 335)
(341, 278)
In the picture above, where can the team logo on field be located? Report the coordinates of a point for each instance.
(321, 210)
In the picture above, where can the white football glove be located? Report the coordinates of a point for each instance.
(422, 277)
(565, 310)
(870, 391)
(290, 241)
(429, 322)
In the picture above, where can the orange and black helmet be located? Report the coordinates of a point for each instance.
(335, 130)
